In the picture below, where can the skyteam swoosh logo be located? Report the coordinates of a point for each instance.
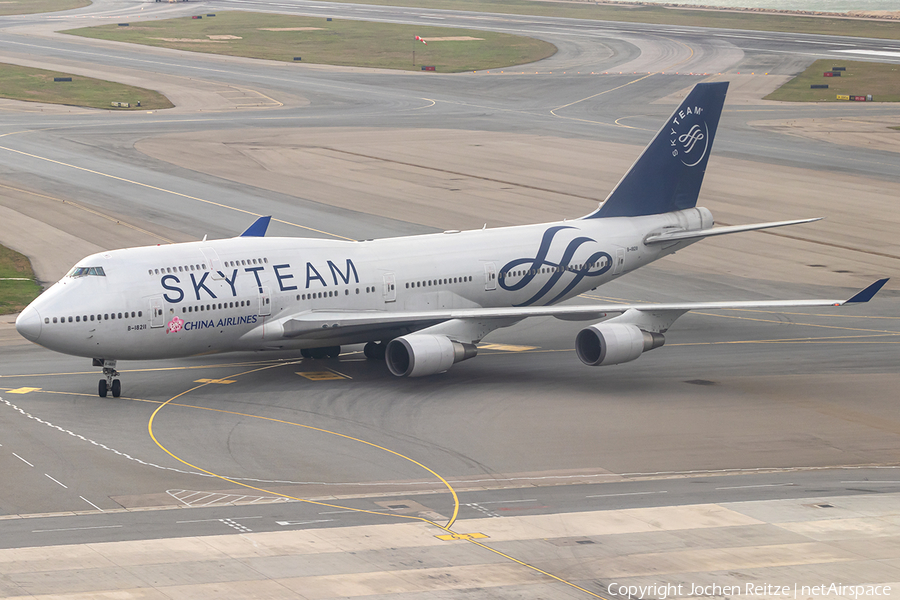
(597, 264)
(689, 136)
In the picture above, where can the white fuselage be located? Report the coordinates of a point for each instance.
(233, 294)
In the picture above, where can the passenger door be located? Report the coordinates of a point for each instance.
(265, 303)
(490, 277)
(390, 289)
(157, 318)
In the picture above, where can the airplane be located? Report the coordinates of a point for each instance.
(421, 303)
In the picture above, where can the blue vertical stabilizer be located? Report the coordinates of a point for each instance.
(668, 174)
(258, 229)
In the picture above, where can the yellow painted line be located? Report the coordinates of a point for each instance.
(320, 375)
(311, 428)
(460, 536)
(469, 537)
(223, 381)
(23, 390)
(164, 190)
(344, 375)
(506, 347)
(721, 316)
(533, 568)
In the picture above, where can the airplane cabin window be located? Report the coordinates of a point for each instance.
(54, 319)
(357, 290)
(346, 292)
(46, 320)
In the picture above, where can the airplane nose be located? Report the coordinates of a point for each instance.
(28, 324)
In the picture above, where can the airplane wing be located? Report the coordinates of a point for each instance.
(316, 324)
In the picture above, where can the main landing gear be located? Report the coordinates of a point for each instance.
(111, 383)
(329, 352)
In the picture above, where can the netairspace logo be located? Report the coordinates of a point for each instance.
(662, 591)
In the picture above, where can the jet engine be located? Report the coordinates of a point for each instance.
(614, 343)
(421, 354)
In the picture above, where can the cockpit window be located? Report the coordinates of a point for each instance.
(85, 271)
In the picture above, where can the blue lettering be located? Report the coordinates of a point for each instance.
(312, 274)
(255, 271)
(200, 284)
(335, 271)
(230, 281)
(281, 277)
(171, 288)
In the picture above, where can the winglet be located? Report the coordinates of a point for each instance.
(258, 229)
(867, 294)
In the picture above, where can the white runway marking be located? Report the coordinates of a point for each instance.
(762, 485)
(872, 53)
(57, 481)
(76, 528)
(22, 459)
(627, 494)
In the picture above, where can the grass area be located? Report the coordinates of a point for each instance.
(881, 80)
(337, 42)
(37, 85)
(633, 13)
(27, 7)
(15, 295)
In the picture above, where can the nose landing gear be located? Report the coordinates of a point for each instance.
(111, 383)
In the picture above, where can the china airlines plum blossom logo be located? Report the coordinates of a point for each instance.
(175, 325)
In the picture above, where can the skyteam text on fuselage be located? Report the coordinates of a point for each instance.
(421, 302)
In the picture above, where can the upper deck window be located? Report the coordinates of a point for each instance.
(85, 271)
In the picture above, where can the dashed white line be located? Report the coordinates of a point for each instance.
(627, 494)
(877, 481)
(57, 481)
(289, 523)
(91, 503)
(22, 459)
(762, 485)
(506, 501)
(76, 528)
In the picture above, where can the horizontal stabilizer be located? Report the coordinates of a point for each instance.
(258, 229)
(674, 236)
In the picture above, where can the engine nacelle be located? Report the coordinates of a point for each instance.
(614, 343)
(420, 354)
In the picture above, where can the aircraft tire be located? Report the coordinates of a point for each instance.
(318, 353)
(116, 388)
(102, 388)
(333, 351)
(374, 351)
(306, 353)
